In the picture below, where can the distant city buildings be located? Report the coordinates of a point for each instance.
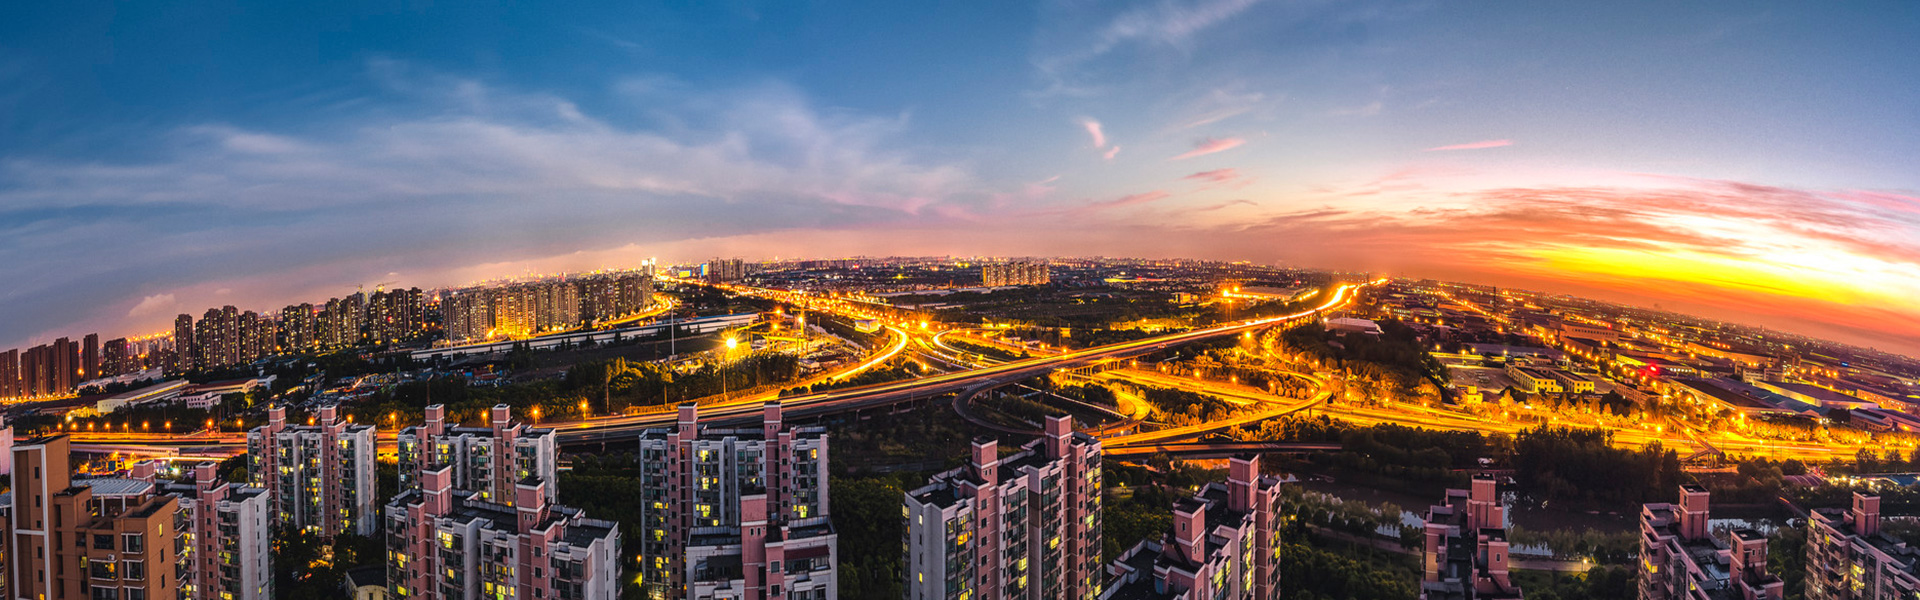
(1849, 558)
(1225, 544)
(1022, 526)
(1681, 559)
(736, 513)
(723, 270)
(320, 475)
(1014, 273)
(1465, 555)
(520, 310)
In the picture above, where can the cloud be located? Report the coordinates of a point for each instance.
(157, 304)
(1215, 176)
(1227, 204)
(1174, 24)
(1111, 152)
(482, 174)
(1481, 145)
(1093, 129)
(1124, 201)
(1210, 146)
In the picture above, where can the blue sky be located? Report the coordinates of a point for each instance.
(161, 158)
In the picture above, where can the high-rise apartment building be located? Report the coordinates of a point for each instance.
(1022, 526)
(1849, 558)
(1681, 559)
(1014, 273)
(320, 475)
(297, 328)
(10, 382)
(228, 548)
(116, 357)
(488, 462)
(722, 270)
(736, 513)
(1225, 544)
(89, 357)
(1466, 554)
(87, 538)
(446, 544)
(467, 314)
(6, 450)
(183, 344)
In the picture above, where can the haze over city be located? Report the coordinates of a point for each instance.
(1747, 161)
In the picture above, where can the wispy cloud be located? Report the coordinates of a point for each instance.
(1480, 145)
(1111, 152)
(1166, 23)
(500, 174)
(157, 304)
(1227, 204)
(1093, 129)
(1215, 176)
(1210, 146)
(1124, 201)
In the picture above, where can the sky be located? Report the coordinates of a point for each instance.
(1750, 161)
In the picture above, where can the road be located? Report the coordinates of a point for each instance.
(851, 399)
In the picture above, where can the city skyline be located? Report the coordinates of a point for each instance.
(1742, 163)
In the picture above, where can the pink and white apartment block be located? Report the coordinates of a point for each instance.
(1850, 558)
(227, 545)
(488, 461)
(445, 543)
(1681, 559)
(320, 475)
(1466, 556)
(1225, 543)
(736, 513)
(1023, 526)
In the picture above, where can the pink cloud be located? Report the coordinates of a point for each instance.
(1480, 145)
(1125, 201)
(1210, 146)
(1226, 204)
(1111, 152)
(1216, 176)
(1093, 129)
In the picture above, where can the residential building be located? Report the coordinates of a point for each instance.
(722, 270)
(320, 475)
(1850, 558)
(87, 538)
(487, 461)
(1014, 273)
(1224, 544)
(1024, 526)
(1681, 559)
(228, 545)
(737, 513)
(1465, 556)
(447, 544)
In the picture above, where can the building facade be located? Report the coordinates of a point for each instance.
(1849, 558)
(1225, 543)
(1681, 559)
(737, 513)
(320, 476)
(228, 545)
(1014, 273)
(87, 539)
(1023, 526)
(488, 461)
(1465, 556)
(446, 544)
